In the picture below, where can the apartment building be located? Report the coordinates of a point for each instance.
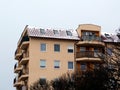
(43, 54)
(46, 54)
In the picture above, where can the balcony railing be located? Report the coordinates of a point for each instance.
(17, 82)
(25, 58)
(17, 68)
(80, 72)
(90, 38)
(25, 38)
(89, 54)
(23, 74)
(18, 53)
(21, 57)
(24, 55)
(24, 42)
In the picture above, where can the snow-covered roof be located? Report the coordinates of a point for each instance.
(107, 37)
(52, 33)
(64, 34)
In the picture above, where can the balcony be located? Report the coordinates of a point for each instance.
(23, 75)
(24, 42)
(79, 72)
(17, 68)
(24, 45)
(88, 56)
(17, 83)
(91, 40)
(18, 53)
(25, 58)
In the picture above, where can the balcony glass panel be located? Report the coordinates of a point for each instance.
(91, 38)
(89, 54)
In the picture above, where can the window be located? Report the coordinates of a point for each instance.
(70, 65)
(82, 49)
(56, 47)
(83, 33)
(96, 66)
(42, 81)
(69, 33)
(88, 33)
(43, 47)
(88, 36)
(96, 52)
(42, 31)
(107, 35)
(70, 49)
(56, 64)
(109, 51)
(83, 66)
(42, 63)
(55, 32)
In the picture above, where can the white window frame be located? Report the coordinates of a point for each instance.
(42, 31)
(85, 66)
(42, 66)
(54, 47)
(82, 49)
(56, 32)
(69, 33)
(54, 64)
(41, 47)
(68, 65)
(70, 47)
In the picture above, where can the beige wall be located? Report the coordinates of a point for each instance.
(89, 27)
(35, 72)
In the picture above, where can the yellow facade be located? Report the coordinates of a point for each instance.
(29, 54)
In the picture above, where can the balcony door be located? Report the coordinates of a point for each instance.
(82, 49)
(96, 52)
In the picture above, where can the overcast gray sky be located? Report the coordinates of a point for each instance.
(65, 14)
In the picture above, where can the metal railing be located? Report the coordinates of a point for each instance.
(18, 51)
(90, 38)
(23, 72)
(21, 57)
(25, 38)
(89, 54)
(24, 55)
